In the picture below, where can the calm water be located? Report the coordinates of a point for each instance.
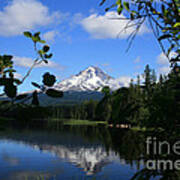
(70, 153)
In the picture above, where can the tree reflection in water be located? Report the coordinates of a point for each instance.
(129, 146)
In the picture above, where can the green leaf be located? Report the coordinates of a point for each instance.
(178, 51)
(165, 36)
(48, 56)
(164, 30)
(37, 34)
(36, 85)
(11, 75)
(9, 70)
(140, 6)
(54, 93)
(107, 9)
(10, 90)
(46, 61)
(28, 34)
(42, 41)
(17, 81)
(49, 79)
(41, 52)
(7, 58)
(174, 60)
(22, 96)
(163, 8)
(177, 25)
(120, 9)
(102, 2)
(178, 37)
(126, 5)
(113, 5)
(132, 16)
(36, 38)
(170, 49)
(119, 2)
(6, 81)
(46, 48)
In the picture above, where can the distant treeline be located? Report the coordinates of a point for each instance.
(85, 110)
(151, 103)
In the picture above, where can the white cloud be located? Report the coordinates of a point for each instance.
(164, 70)
(22, 15)
(27, 62)
(163, 60)
(22, 61)
(137, 60)
(103, 26)
(124, 81)
(77, 18)
(17, 75)
(50, 36)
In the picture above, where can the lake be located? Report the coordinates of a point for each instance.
(70, 152)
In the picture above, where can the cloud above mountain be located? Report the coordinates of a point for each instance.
(50, 35)
(23, 15)
(163, 62)
(124, 81)
(27, 62)
(108, 26)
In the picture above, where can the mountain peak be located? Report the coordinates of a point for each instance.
(95, 68)
(90, 79)
(94, 71)
(92, 68)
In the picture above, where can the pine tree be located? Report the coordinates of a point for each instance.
(147, 77)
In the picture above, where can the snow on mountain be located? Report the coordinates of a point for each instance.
(90, 159)
(91, 79)
(86, 85)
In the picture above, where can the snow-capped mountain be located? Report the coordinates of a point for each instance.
(89, 156)
(84, 86)
(91, 79)
(90, 159)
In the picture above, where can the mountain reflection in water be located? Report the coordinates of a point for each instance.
(70, 153)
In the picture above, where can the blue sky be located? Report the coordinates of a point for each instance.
(80, 34)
